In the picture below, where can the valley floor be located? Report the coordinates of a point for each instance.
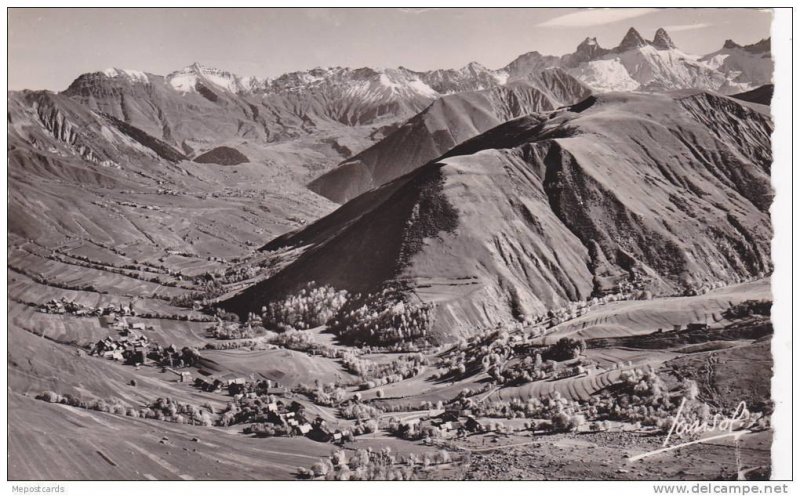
(55, 441)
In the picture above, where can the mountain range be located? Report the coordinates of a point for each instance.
(487, 194)
(176, 108)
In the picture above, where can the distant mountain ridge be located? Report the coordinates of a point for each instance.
(198, 108)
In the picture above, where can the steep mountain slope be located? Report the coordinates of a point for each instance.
(79, 176)
(618, 192)
(193, 108)
(447, 122)
(761, 95)
(58, 125)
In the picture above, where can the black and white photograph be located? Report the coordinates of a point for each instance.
(398, 244)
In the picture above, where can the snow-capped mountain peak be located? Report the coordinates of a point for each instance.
(130, 74)
(186, 79)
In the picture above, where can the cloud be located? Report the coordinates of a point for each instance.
(415, 11)
(686, 27)
(594, 17)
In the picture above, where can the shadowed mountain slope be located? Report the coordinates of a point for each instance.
(447, 122)
(619, 193)
(761, 95)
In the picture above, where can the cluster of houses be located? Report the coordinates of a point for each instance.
(133, 348)
(450, 424)
(274, 417)
(63, 306)
(236, 386)
(130, 347)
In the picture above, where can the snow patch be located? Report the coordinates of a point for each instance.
(605, 75)
(134, 75)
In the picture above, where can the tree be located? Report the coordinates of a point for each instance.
(320, 469)
(566, 349)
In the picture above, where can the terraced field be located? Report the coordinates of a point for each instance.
(631, 318)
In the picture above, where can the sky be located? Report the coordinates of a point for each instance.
(49, 48)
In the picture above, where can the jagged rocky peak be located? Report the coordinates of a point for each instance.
(631, 41)
(758, 47)
(730, 44)
(589, 46)
(662, 41)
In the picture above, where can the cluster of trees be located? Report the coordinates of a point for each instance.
(411, 407)
(232, 330)
(304, 341)
(164, 409)
(510, 362)
(325, 394)
(366, 464)
(218, 278)
(98, 405)
(365, 427)
(259, 342)
(749, 308)
(170, 410)
(358, 410)
(642, 397)
(426, 432)
(565, 349)
(267, 430)
(482, 352)
(312, 306)
(529, 369)
(382, 318)
(209, 291)
(378, 374)
(169, 356)
(552, 413)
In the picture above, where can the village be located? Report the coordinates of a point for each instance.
(342, 414)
